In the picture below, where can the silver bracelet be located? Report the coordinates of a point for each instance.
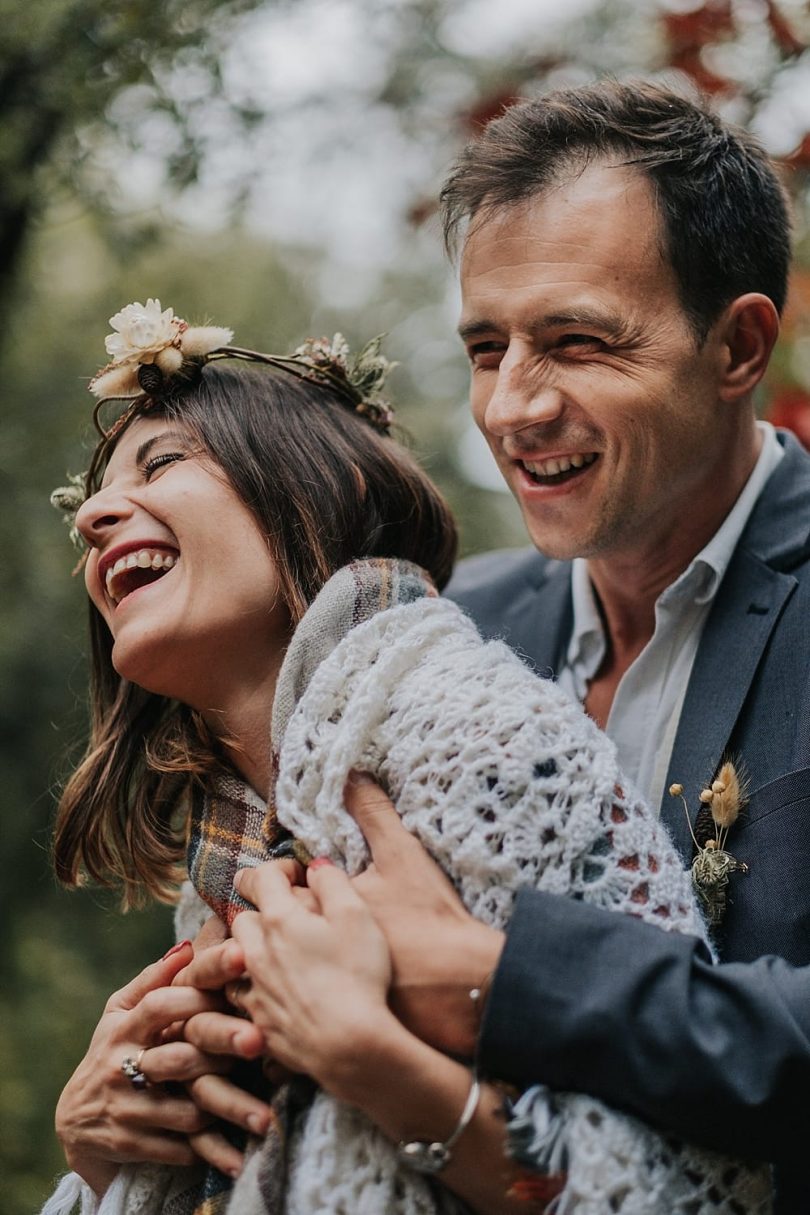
(432, 1157)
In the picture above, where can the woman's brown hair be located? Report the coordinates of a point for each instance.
(326, 489)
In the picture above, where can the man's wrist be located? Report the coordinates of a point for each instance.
(443, 1013)
(411, 1091)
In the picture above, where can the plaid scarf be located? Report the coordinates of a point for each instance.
(231, 829)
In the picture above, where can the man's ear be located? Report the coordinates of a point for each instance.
(748, 331)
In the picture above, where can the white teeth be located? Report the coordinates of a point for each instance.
(561, 464)
(142, 558)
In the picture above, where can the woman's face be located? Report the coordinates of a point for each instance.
(181, 572)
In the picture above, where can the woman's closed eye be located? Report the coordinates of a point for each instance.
(151, 466)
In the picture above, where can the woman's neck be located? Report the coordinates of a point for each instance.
(242, 727)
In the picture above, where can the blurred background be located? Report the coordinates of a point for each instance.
(270, 166)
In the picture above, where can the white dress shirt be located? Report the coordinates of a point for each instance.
(647, 706)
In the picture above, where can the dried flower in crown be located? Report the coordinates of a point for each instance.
(147, 336)
(362, 378)
(153, 352)
(68, 498)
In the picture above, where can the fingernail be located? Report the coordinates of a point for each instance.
(359, 778)
(319, 862)
(257, 1123)
(175, 949)
(240, 1042)
(233, 1172)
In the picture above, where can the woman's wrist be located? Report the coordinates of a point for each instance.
(410, 1090)
(98, 1174)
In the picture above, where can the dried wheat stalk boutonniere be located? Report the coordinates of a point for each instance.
(713, 865)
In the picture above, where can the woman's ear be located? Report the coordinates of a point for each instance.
(748, 331)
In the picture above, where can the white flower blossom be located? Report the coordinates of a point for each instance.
(142, 329)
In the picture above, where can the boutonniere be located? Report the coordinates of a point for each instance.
(713, 865)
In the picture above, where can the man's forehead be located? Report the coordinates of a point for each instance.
(597, 236)
(610, 206)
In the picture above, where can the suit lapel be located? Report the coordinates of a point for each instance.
(537, 622)
(745, 613)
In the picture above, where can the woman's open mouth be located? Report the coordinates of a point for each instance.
(137, 569)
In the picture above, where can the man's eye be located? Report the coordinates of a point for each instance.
(155, 462)
(580, 339)
(486, 354)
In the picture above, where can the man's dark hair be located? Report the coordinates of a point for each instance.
(725, 214)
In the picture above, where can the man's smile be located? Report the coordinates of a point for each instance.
(557, 469)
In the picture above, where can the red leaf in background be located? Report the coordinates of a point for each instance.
(690, 62)
(421, 211)
(784, 36)
(790, 409)
(797, 308)
(693, 30)
(487, 107)
(799, 158)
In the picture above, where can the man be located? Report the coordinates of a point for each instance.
(624, 264)
(622, 273)
(623, 267)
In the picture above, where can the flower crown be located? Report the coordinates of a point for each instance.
(154, 354)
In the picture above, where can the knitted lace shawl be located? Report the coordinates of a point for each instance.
(506, 783)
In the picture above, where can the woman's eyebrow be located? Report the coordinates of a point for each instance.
(168, 436)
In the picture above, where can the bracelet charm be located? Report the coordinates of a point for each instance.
(431, 1158)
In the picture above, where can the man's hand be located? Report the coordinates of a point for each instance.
(438, 951)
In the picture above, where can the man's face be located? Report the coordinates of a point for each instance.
(598, 404)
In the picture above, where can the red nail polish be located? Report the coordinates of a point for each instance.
(319, 862)
(175, 949)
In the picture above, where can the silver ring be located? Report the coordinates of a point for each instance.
(132, 1070)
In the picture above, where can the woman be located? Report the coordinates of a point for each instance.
(261, 552)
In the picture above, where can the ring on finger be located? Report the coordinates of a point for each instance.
(132, 1070)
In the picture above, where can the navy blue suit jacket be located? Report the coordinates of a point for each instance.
(748, 696)
(653, 1032)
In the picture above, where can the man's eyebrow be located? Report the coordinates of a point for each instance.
(587, 318)
(583, 317)
(473, 329)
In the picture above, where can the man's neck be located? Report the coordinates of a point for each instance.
(628, 585)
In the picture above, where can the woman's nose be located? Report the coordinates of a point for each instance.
(99, 514)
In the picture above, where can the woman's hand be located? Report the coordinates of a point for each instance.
(319, 971)
(103, 1120)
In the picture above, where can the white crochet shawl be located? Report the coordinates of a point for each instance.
(506, 783)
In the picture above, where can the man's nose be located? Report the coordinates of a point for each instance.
(100, 514)
(523, 396)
